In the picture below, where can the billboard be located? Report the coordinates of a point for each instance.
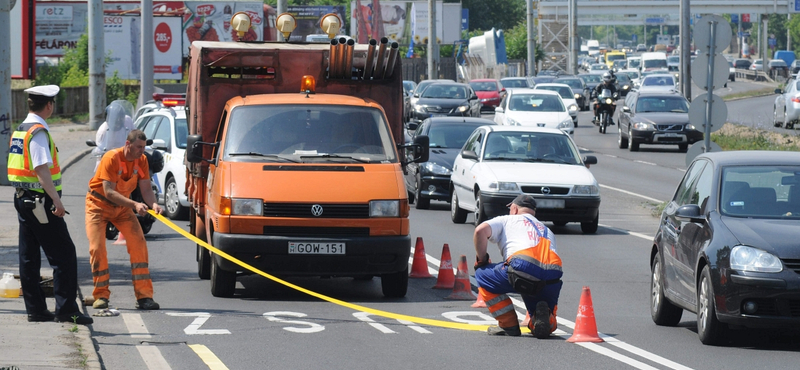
(210, 21)
(308, 18)
(122, 46)
(394, 20)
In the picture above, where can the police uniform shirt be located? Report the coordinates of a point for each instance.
(39, 147)
(513, 233)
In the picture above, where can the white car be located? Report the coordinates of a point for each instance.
(786, 110)
(598, 68)
(538, 108)
(167, 127)
(567, 96)
(497, 163)
(661, 82)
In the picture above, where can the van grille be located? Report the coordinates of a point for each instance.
(303, 210)
(316, 232)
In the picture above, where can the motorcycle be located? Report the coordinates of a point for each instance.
(606, 106)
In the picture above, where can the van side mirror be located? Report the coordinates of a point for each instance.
(420, 150)
(194, 149)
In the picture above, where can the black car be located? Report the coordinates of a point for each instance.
(431, 179)
(726, 247)
(446, 99)
(582, 92)
(656, 118)
(624, 84)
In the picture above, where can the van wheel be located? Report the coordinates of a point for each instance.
(203, 263)
(457, 214)
(395, 285)
(223, 283)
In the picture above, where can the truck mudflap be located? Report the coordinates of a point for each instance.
(369, 255)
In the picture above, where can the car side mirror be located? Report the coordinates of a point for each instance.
(416, 95)
(778, 91)
(90, 143)
(689, 212)
(499, 110)
(469, 154)
(626, 109)
(590, 159)
(412, 125)
(159, 144)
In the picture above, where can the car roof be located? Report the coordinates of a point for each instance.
(752, 158)
(660, 75)
(506, 128)
(513, 78)
(483, 80)
(528, 90)
(451, 120)
(550, 84)
(179, 110)
(665, 94)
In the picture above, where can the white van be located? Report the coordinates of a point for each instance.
(634, 62)
(653, 60)
(594, 47)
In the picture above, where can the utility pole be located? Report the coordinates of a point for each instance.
(685, 69)
(5, 85)
(146, 66)
(433, 70)
(282, 8)
(788, 32)
(97, 70)
(531, 41)
(572, 66)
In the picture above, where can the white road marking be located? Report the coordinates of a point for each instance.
(150, 354)
(631, 193)
(135, 325)
(643, 162)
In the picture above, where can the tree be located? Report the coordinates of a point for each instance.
(517, 43)
(498, 14)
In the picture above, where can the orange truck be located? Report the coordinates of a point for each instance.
(295, 161)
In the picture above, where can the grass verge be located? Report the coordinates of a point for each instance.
(750, 94)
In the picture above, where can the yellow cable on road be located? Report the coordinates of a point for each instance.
(414, 319)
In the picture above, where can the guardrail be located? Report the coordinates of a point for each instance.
(753, 75)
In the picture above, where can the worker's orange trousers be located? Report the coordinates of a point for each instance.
(98, 214)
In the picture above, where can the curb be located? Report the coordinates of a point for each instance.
(75, 158)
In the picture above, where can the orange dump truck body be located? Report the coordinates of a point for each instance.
(298, 183)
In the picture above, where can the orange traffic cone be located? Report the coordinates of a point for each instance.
(446, 279)
(120, 239)
(585, 325)
(462, 289)
(480, 303)
(419, 268)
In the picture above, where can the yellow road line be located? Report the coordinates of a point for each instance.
(208, 357)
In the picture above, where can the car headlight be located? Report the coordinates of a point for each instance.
(484, 100)
(690, 127)
(744, 258)
(577, 96)
(626, 87)
(565, 124)
(585, 190)
(384, 208)
(434, 168)
(511, 122)
(247, 207)
(463, 108)
(573, 108)
(609, 101)
(420, 108)
(643, 126)
(503, 186)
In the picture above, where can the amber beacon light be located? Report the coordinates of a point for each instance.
(308, 84)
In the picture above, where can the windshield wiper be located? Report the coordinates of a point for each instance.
(257, 154)
(502, 159)
(334, 156)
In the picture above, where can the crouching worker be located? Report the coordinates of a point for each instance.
(531, 267)
(119, 172)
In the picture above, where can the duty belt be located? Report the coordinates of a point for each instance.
(102, 197)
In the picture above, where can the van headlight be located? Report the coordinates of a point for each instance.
(384, 208)
(744, 258)
(247, 207)
(585, 190)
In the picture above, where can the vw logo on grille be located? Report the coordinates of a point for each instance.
(545, 190)
(316, 210)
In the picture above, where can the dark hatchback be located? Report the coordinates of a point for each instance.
(431, 179)
(727, 245)
(656, 118)
(446, 99)
(581, 90)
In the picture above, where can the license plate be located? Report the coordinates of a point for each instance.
(670, 134)
(316, 248)
(549, 203)
(438, 115)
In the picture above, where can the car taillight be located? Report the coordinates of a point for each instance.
(796, 99)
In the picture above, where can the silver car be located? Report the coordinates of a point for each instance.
(786, 109)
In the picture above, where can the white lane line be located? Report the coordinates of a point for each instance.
(150, 354)
(643, 162)
(135, 325)
(631, 233)
(630, 193)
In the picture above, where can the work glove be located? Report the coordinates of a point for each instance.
(481, 262)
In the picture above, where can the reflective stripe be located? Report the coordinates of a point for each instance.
(99, 273)
(139, 265)
(503, 310)
(544, 266)
(496, 300)
(30, 185)
(20, 171)
(141, 277)
(99, 284)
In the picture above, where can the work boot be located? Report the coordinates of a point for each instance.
(43, 316)
(540, 325)
(511, 332)
(147, 304)
(100, 303)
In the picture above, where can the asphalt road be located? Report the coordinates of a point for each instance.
(267, 326)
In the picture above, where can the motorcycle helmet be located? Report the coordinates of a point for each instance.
(607, 76)
(155, 161)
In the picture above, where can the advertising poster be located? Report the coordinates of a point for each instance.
(59, 26)
(393, 16)
(308, 18)
(210, 21)
(122, 42)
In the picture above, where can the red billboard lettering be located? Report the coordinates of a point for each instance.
(206, 10)
(163, 37)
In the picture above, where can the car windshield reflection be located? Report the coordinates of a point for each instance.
(530, 147)
(761, 192)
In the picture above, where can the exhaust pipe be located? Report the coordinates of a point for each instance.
(340, 57)
(393, 51)
(332, 62)
(381, 57)
(370, 59)
(348, 59)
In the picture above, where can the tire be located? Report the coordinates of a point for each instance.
(411, 197)
(683, 147)
(790, 125)
(395, 285)
(560, 223)
(622, 142)
(172, 203)
(663, 312)
(146, 227)
(203, 263)
(223, 283)
(632, 145)
(421, 203)
(775, 121)
(457, 214)
(709, 329)
(590, 227)
(480, 213)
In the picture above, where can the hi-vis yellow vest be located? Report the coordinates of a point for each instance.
(20, 169)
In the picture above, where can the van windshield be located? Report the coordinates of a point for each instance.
(308, 133)
(655, 63)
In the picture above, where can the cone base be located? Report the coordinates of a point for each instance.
(443, 286)
(584, 338)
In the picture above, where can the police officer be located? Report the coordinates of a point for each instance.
(33, 169)
(531, 267)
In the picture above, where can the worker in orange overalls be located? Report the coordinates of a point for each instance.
(531, 267)
(119, 172)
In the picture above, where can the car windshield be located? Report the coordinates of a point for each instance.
(521, 82)
(449, 135)
(408, 86)
(598, 67)
(483, 86)
(564, 91)
(181, 132)
(591, 78)
(673, 59)
(778, 63)
(622, 77)
(442, 91)
(574, 83)
(535, 103)
(760, 191)
(658, 81)
(652, 104)
(530, 147)
(308, 133)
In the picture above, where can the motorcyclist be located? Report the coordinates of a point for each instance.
(607, 84)
(113, 132)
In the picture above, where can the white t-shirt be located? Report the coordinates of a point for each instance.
(513, 233)
(40, 146)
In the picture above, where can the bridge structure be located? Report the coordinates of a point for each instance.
(553, 18)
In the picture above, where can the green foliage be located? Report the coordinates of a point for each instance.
(114, 88)
(758, 141)
(498, 14)
(75, 77)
